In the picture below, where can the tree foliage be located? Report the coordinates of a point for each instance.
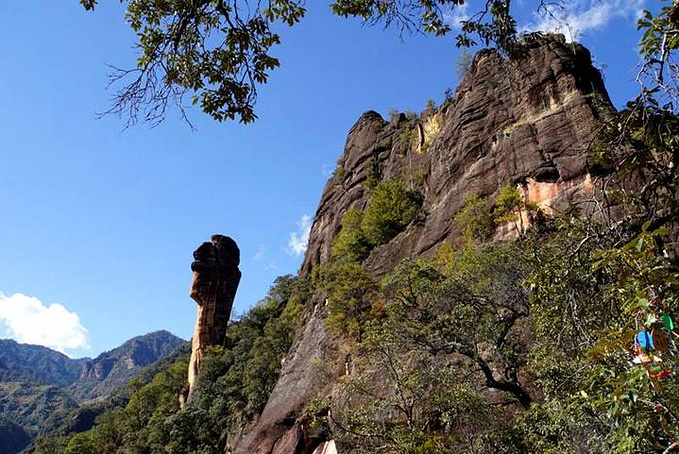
(390, 209)
(217, 52)
(350, 244)
(350, 293)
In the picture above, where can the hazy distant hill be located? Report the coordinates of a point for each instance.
(12, 436)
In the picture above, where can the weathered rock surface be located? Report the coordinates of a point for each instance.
(215, 281)
(526, 122)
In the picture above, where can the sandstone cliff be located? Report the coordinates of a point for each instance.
(526, 122)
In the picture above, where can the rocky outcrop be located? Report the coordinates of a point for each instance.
(112, 369)
(215, 281)
(526, 122)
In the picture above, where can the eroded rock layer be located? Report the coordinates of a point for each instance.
(215, 281)
(525, 122)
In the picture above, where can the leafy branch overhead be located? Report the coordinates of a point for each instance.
(216, 53)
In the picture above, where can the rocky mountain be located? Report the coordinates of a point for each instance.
(110, 370)
(526, 123)
(41, 389)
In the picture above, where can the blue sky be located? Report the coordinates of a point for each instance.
(99, 223)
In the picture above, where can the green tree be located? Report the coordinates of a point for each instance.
(82, 444)
(350, 244)
(390, 209)
(511, 207)
(474, 218)
(350, 294)
(445, 336)
(216, 52)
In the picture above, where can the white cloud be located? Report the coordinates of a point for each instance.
(28, 320)
(298, 241)
(261, 250)
(456, 15)
(580, 16)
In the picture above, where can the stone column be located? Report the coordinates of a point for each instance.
(215, 281)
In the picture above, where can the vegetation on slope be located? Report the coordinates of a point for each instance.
(35, 399)
(525, 346)
(534, 345)
(22, 361)
(390, 209)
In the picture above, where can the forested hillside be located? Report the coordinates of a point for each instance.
(44, 391)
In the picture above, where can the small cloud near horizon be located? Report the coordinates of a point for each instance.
(27, 320)
(299, 239)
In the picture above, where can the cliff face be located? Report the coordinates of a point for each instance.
(526, 122)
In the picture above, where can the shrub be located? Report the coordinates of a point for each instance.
(372, 174)
(82, 443)
(391, 208)
(349, 292)
(507, 204)
(474, 219)
(350, 243)
(510, 206)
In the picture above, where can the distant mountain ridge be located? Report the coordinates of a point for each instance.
(108, 371)
(39, 386)
(42, 364)
(85, 378)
